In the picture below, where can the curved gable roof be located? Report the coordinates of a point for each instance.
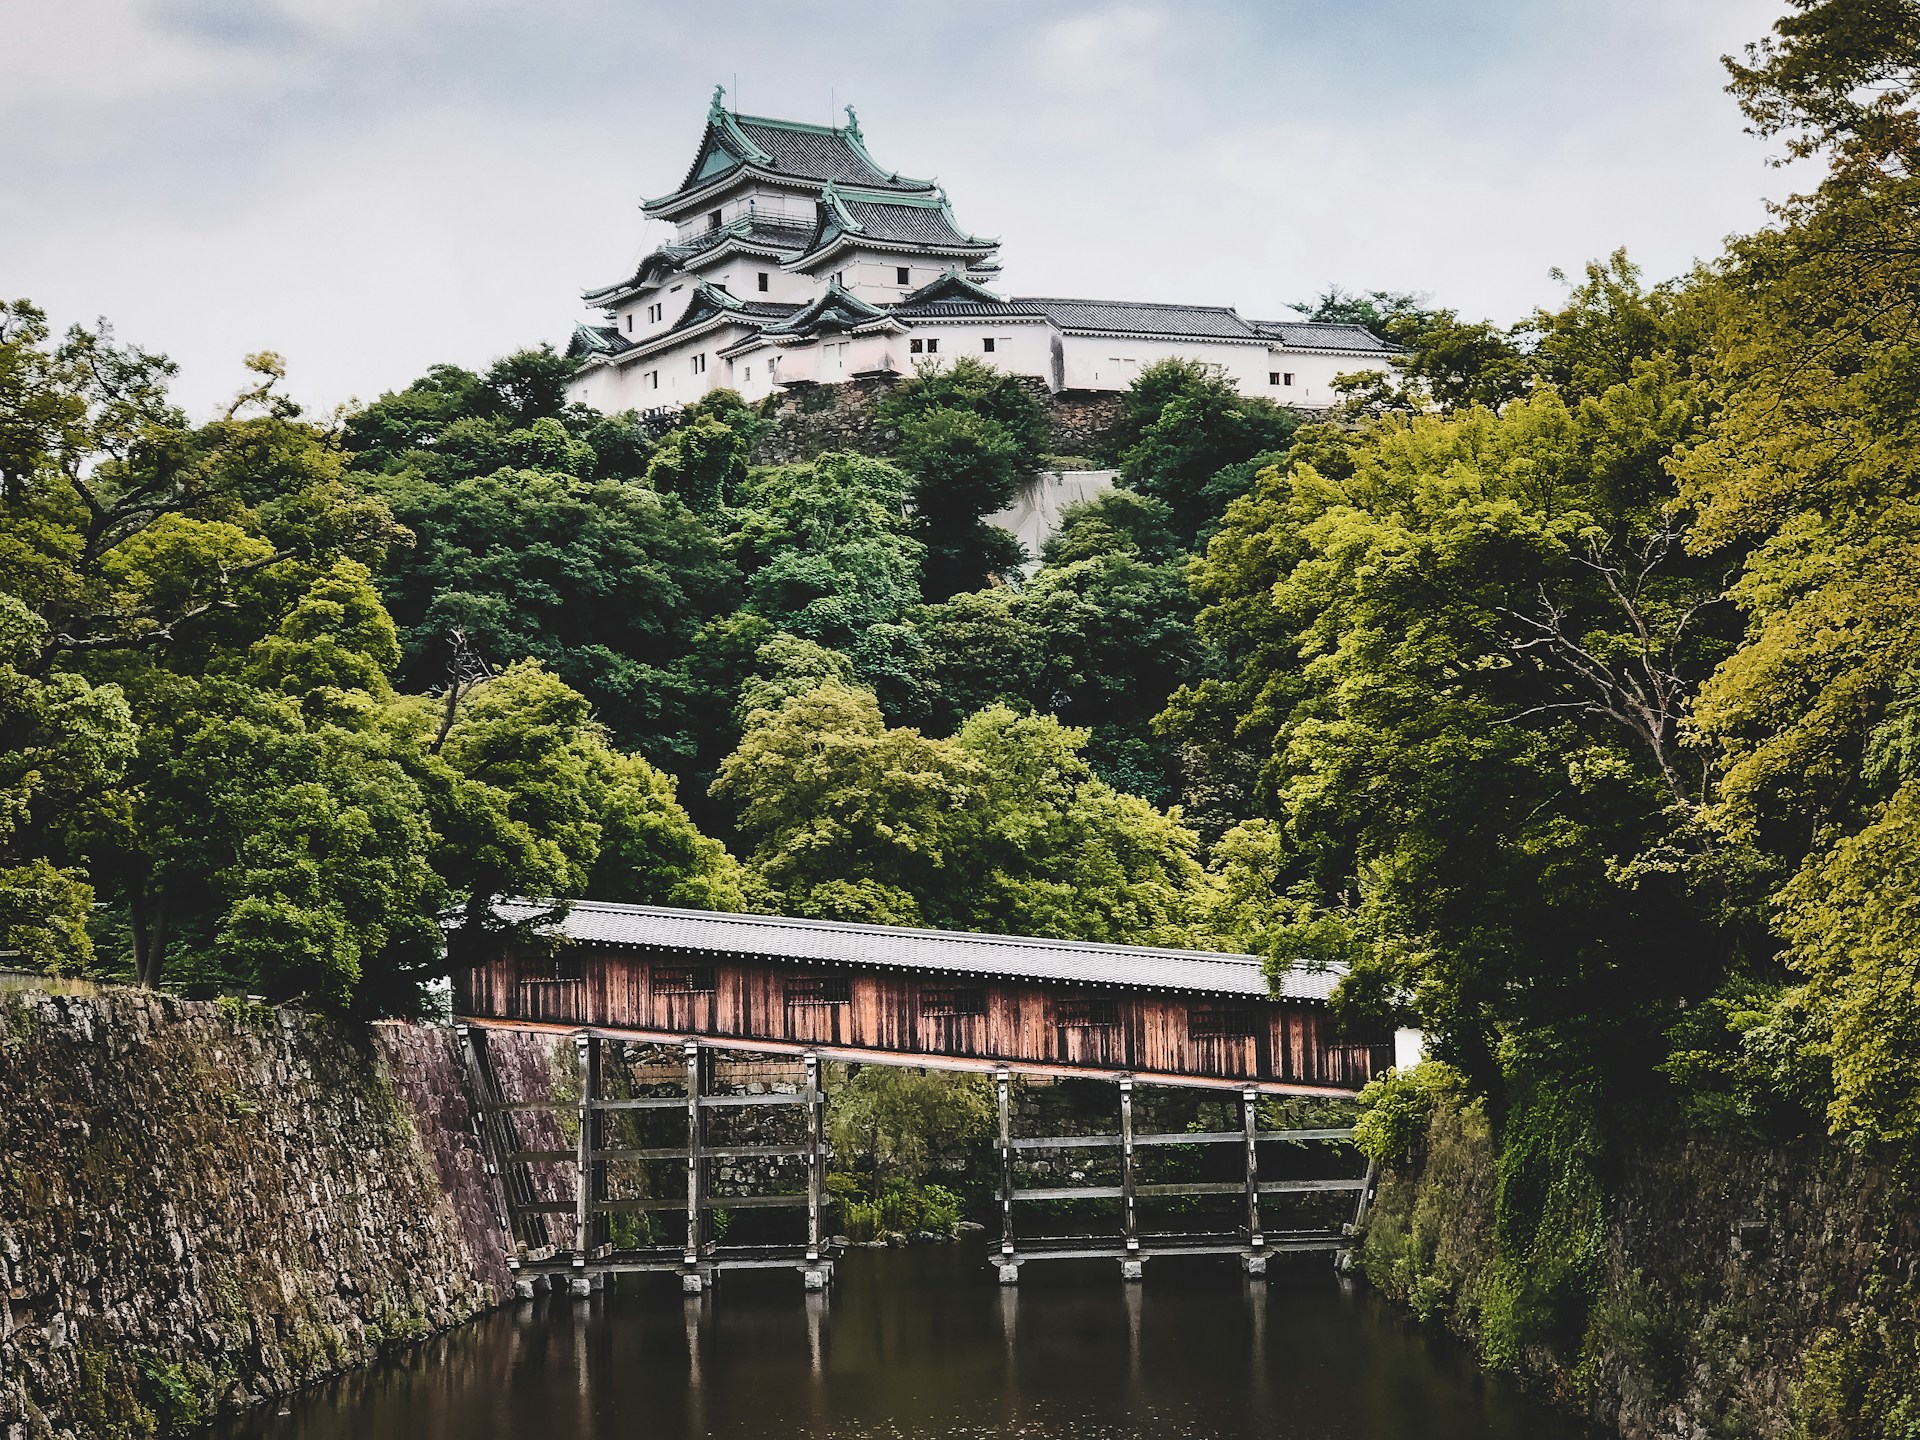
(789, 149)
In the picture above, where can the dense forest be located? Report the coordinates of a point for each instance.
(1564, 683)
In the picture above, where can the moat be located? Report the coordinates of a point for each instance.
(922, 1343)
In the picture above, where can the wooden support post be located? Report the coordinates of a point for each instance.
(587, 1051)
(816, 1154)
(695, 1199)
(1130, 1220)
(1256, 1263)
(1366, 1194)
(587, 1047)
(481, 1094)
(1003, 1089)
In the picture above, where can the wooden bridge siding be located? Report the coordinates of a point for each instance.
(1292, 1041)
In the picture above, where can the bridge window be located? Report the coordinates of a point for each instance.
(819, 990)
(1084, 1010)
(953, 1000)
(684, 979)
(1210, 1019)
(549, 969)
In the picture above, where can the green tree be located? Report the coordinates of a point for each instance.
(64, 746)
(975, 388)
(1807, 481)
(703, 462)
(965, 467)
(605, 583)
(1192, 425)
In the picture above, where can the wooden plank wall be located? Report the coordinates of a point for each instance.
(1015, 1021)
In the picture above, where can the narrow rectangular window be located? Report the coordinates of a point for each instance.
(653, 379)
(901, 276)
(684, 980)
(1214, 1019)
(550, 969)
(933, 346)
(840, 278)
(763, 281)
(629, 322)
(953, 1000)
(916, 347)
(699, 364)
(1287, 379)
(819, 990)
(987, 344)
(1081, 1011)
(1273, 377)
(747, 373)
(713, 220)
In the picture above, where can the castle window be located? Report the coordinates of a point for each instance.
(916, 347)
(840, 278)
(747, 374)
(713, 219)
(653, 314)
(900, 276)
(1287, 379)
(762, 277)
(933, 347)
(700, 364)
(629, 322)
(987, 344)
(653, 379)
(1273, 377)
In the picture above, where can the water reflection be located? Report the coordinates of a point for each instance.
(924, 1344)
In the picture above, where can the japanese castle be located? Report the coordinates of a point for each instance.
(799, 259)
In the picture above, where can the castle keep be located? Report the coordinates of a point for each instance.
(799, 259)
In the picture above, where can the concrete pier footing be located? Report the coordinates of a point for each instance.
(1132, 1269)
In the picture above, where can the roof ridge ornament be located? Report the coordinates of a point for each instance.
(718, 108)
(853, 126)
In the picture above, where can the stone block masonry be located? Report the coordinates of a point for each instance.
(207, 1205)
(823, 418)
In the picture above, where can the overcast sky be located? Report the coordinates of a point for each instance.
(370, 186)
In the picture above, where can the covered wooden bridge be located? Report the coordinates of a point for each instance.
(719, 990)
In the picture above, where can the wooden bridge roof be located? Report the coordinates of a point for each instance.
(946, 952)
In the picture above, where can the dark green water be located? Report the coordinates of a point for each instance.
(921, 1343)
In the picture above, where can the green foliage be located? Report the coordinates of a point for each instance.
(975, 388)
(965, 466)
(894, 1125)
(1190, 427)
(703, 462)
(1397, 1110)
(606, 583)
(1119, 522)
(1003, 827)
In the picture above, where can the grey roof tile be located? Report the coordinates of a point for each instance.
(1207, 322)
(947, 952)
(815, 154)
(1320, 335)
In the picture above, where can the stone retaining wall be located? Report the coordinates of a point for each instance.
(206, 1205)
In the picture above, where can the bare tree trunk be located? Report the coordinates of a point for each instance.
(149, 935)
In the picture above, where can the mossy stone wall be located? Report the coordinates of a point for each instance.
(1750, 1288)
(206, 1205)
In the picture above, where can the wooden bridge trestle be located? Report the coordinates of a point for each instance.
(568, 1239)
